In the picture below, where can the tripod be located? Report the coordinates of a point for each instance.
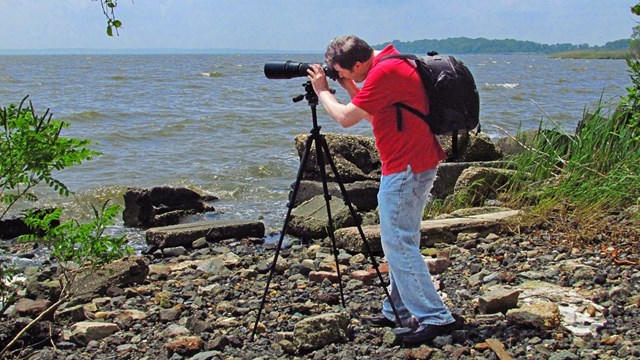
(322, 151)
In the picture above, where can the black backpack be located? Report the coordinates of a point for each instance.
(454, 104)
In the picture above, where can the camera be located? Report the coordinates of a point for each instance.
(289, 69)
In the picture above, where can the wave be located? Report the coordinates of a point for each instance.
(84, 116)
(214, 74)
(504, 86)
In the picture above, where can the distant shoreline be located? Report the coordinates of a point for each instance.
(459, 45)
(590, 54)
(578, 54)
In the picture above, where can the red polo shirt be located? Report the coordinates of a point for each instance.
(388, 82)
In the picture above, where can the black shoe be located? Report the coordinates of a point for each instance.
(379, 320)
(426, 333)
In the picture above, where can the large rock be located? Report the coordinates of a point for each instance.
(85, 331)
(431, 231)
(162, 206)
(185, 234)
(15, 226)
(542, 315)
(362, 194)
(310, 219)
(318, 331)
(481, 183)
(121, 273)
(449, 172)
(573, 305)
(498, 299)
(356, 158)
(471, 147)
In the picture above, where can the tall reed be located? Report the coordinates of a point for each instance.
(594, 171)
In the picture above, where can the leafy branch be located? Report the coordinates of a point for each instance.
(77, 248)
(32, 149)
(108, 8)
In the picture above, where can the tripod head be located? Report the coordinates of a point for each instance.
(310, 94)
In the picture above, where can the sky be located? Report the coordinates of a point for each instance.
(306, 25)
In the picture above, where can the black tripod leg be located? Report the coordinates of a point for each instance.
(365, 242)
(320, 145)
(296, 187)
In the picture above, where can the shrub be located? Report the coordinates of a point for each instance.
(85, 244)
(32, 148)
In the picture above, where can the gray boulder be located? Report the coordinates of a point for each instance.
(162, 206)
(356, 158)
(310, 219)
(449, 172)
(362, 194)
(121, 273)
(318, 331)
(15, 226)
(498, 299)
(481, 183)
(471, 147)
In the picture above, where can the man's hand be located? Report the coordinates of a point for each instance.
(318, 78)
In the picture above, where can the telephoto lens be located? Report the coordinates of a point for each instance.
(285, 69)
(288, 69)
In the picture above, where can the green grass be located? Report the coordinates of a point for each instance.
(585, 176)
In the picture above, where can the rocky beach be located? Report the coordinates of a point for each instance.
(522, 292)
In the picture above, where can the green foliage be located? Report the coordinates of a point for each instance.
(108, 8)
(32, 149)
(83, 244)
(461, 199)
(630, 105)
(7, 293)
(595, 171)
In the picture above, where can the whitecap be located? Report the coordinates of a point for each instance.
(504, 86)
(211, 74)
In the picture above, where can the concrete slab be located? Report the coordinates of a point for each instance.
(185, 234)
(431, 231)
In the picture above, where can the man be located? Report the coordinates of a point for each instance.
(410, 157)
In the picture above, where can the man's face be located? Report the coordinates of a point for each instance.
(356, 74)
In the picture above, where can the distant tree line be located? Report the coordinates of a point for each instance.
(464, 45)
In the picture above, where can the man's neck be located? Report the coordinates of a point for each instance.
(369, 62)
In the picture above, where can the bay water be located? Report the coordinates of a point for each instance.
(216, 124)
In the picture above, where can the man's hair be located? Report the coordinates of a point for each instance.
(346, 51)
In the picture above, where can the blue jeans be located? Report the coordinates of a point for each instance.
(401, 200)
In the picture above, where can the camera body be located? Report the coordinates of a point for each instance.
(290, 69)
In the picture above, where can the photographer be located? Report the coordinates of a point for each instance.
(410, 158)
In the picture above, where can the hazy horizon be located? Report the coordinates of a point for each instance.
(141, 51)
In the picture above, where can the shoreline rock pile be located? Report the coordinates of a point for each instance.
(519, 296)
(195, 294)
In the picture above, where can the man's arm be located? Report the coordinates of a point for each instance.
(345, 115)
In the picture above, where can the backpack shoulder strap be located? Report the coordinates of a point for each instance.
(399, 106)
(400, 56)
